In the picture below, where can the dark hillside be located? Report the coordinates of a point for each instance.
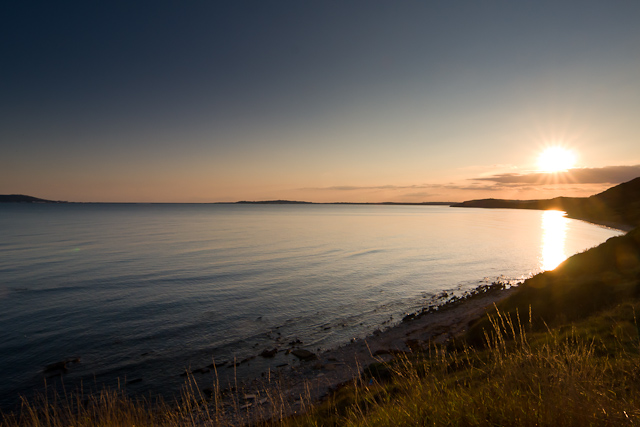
(619, 205)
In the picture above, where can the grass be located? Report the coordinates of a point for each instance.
(562, 377)
(580, 375)
(564, 350)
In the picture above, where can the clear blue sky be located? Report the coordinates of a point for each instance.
(320, 101)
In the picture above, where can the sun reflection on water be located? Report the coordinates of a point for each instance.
(554, 232)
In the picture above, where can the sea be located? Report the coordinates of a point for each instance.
(132, 295)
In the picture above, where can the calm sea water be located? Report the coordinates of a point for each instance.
(143, 291)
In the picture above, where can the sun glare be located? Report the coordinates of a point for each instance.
(554, 232)
(556, 159)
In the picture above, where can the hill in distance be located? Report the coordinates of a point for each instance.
(21, 198)
(618, 206)
(293, 202)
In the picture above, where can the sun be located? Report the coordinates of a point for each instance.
(556, 159)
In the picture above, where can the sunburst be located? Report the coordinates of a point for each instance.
(556, 159)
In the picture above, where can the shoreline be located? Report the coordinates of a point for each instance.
(440, 318)
(608, 224)
(313, 378)
(310, 381)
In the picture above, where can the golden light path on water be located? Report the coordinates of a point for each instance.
(554, 233)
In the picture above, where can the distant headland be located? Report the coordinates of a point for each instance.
(21, 198)
(617, 207)
(294, 202)
(274, 202)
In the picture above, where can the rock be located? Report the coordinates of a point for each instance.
(409, 317)
(303, 354)
(248, 359)
(208, 392)
(269, 353)
(295, 342)
(134, 381)
(414, 345)
(60, 367)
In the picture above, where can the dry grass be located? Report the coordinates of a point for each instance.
(580, 375)
(560, 380)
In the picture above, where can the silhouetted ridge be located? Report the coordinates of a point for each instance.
(617, 205)
(275, 202)
(21, 198)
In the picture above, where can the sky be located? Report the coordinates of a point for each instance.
(324, 101)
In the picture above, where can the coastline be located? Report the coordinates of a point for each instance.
(311, 379)
(608, 224)
(315, 379)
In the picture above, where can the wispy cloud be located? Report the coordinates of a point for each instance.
(416, 188)
(532, 185)
(365, 188)
(604, 175)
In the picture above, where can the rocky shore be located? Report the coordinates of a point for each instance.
(313, 376)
